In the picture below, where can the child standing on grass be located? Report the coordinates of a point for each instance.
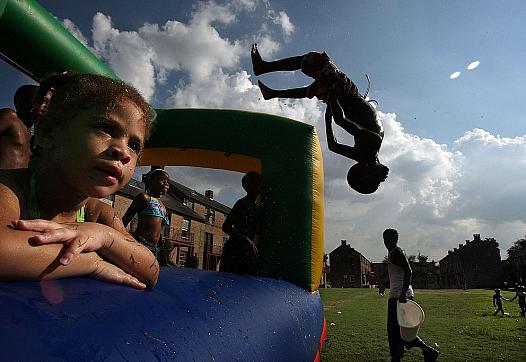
(52, 224)
(521, 295)
(152, 212)
(497, 301)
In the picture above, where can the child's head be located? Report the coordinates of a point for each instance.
(365, 178)
(23, 101)
(157, 181)
(92, 133)
(74, 92)
(251, 183)
(497, 291)
(390, 238)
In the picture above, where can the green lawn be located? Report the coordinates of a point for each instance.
(461, 323)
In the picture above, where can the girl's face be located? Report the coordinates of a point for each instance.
(96, 153)
(159, 183)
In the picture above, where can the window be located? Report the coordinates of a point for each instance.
(185, 228)
(110, 200)
(209, 242)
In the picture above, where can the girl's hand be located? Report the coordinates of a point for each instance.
(71, 235)
(113, 274)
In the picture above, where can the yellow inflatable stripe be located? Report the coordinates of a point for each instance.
(200, 158)
(317, 247)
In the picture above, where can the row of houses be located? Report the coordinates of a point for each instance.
(195, 231)
(475, 264)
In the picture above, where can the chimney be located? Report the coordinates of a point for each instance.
(209, 194)
(344, 242)
(476, 237)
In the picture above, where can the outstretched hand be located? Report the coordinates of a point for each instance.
(74, 235)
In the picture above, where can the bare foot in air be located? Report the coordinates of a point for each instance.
(267, 92)
(257, 62)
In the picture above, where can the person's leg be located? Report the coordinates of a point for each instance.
(260, 66)
(430, 354)
(269, 93)
(396, 346)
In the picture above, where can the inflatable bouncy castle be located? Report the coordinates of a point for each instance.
(190, 314)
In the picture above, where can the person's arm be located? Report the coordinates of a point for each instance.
(132, 254)
(139, 202)
(20, 259)
(332, 143)
(7, 116)
(494, 298)
(398, 258)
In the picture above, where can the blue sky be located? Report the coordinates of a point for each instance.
(456, 147)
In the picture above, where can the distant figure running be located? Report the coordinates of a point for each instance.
(497, 301)
(345, 104)
(521, 294)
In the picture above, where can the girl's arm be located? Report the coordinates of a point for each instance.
(132, 256)
(139, 202)
(20, 259)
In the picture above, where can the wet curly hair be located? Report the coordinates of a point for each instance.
(74, 92)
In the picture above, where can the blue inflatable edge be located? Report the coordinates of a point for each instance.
(191, 315)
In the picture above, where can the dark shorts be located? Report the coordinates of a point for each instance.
(239, 257)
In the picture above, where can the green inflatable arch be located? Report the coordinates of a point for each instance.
(286, 152)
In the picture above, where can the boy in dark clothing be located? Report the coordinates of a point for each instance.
(521, 294)
(497, 301)
(240, 252)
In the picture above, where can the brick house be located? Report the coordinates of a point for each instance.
(476, 264)
(349, 268)
(195, 222)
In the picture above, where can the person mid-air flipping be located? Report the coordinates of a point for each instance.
(349, 109)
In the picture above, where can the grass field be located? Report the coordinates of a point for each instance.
(461, 323)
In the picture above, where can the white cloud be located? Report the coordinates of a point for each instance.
(283, 20)
(73, 29)
(436, 195)
(454, 75)
(126, 53)
(473, 65)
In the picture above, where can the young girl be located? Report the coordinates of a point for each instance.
(151, 210)
(51, 224)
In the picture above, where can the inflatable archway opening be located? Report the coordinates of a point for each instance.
(286, 152)
(288, 155)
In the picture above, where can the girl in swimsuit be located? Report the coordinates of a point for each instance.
(152, 212)
(52, 224)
